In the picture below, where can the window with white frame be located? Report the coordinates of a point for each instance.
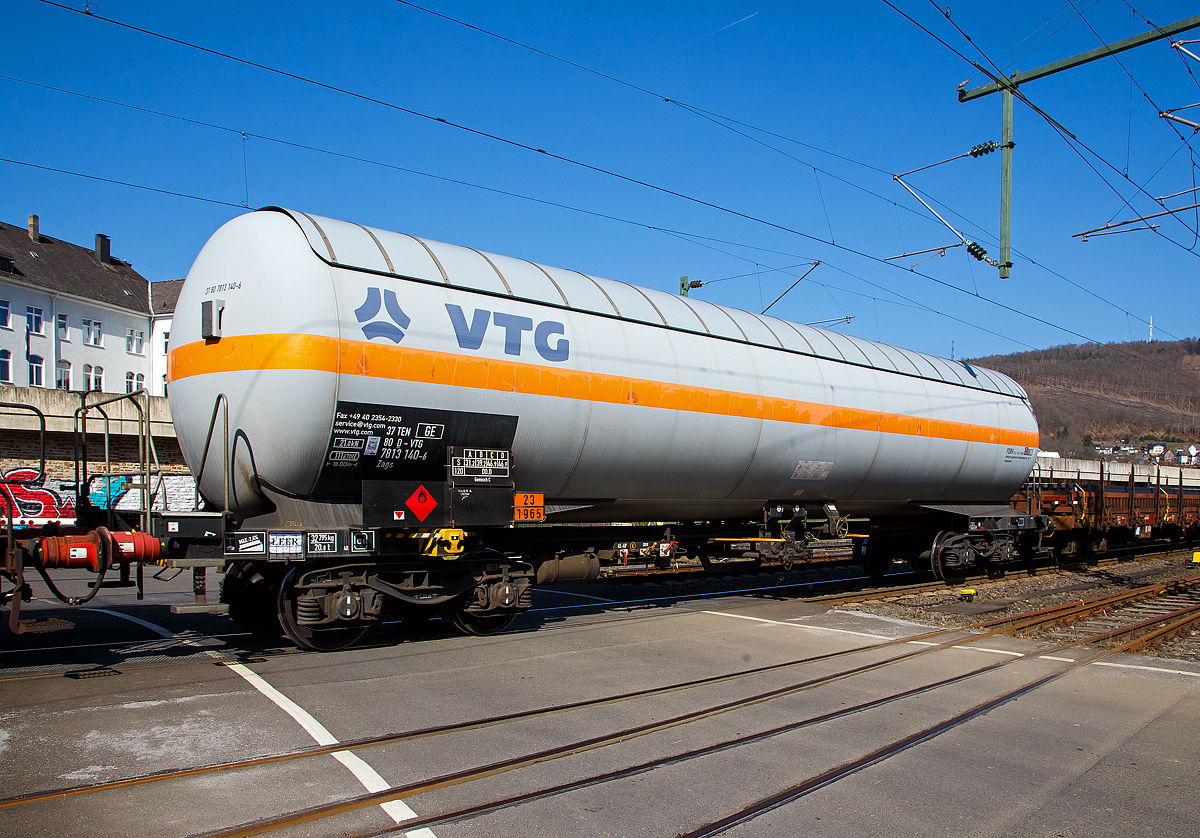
(93, 377)
(62, 375)
(164, 382)
(134, 340)
(5, 315)
(33, 319)
(128, 382)
(5, 366)
(139, 381)
(62, 327)
(35, 370)
(92, 333)
(166, 340)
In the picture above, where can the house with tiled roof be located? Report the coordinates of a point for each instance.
(74, 318)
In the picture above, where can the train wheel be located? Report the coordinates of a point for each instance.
(935, 558)
(455, 613)
(250, 590)
(312, 638)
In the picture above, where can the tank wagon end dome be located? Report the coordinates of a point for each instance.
(254, 278)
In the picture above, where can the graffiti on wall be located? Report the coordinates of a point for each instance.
(35, 504)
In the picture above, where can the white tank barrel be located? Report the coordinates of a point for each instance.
(348, 353)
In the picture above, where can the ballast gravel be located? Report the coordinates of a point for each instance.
(1018, 593)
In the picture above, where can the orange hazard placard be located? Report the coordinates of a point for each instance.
(529, 506)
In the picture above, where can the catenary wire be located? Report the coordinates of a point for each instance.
(564, 159)
(121, 183)
(693, 108)
(581, 164)
(998, 77)
(693, 238)
(722, 120)
(1062, 132)
(1133, 80)
(1100, 297)
(1067, 136)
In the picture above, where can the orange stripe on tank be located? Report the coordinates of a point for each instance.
(402, 363)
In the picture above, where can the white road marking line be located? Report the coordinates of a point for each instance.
(880, 637)
(581, 596)
(1147, 668)
(159, 630)
(368, 776)
(398, 810)
(752, 619)
(797, 625)
(1052, 658)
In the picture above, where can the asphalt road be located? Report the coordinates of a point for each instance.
(1104, 750)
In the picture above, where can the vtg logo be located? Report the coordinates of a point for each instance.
(394, 330)
(514, 326)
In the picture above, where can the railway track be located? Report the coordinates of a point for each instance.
(1150, 614)
(190, 650)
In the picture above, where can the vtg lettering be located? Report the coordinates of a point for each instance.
(470, 336)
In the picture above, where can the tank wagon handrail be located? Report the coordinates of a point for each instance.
(10, 552)
(998, 391)
(221, 401)
(146, 450)
(41, 475)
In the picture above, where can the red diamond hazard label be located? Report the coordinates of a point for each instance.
(421, 503)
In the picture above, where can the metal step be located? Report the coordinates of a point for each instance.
(198, 608)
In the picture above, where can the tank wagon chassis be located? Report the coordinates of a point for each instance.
(468, 548)
(374, 386)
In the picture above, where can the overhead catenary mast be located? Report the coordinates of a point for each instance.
(1007, 86)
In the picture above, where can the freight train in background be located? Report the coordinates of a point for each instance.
(382, 425)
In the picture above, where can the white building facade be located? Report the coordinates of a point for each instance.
(79, 319)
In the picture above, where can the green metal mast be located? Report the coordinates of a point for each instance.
(1007, 86)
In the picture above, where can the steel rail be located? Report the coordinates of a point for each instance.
(859, 595)
(478, 724)
(825, 778)
(1192, 615)
(998, 625)
(319, 812)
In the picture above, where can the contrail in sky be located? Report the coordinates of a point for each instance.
(715, 31)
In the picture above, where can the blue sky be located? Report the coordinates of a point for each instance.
(852, 90)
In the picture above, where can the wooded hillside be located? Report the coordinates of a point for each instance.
(1140, 391)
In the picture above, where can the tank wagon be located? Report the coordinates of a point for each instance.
(381, 423)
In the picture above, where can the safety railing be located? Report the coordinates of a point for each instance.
(221, 403)
(11, 552)
(147, 480)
